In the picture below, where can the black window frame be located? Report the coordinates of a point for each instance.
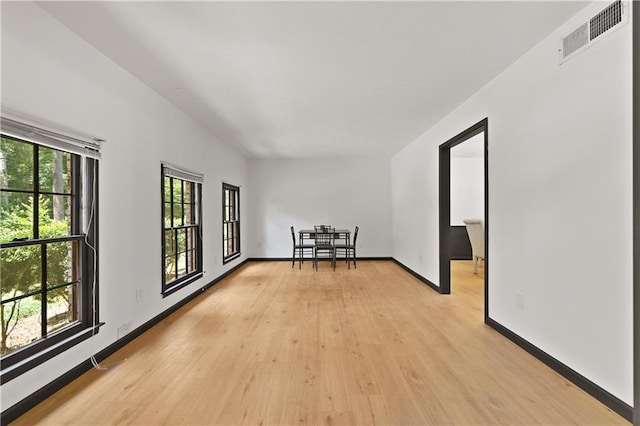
(193, 228)
(84, 195)
(230, 222)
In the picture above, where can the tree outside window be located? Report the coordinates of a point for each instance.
(43, 248)
(181, 232)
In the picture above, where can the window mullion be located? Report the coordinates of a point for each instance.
(171, 199)
(176, 254)
(36, 192)
(182, 185)
(43, 284)
(76, 190)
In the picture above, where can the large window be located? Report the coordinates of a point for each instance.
(48, 243)
(181, 232)
(230, 222)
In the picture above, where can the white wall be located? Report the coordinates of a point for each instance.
(467, 180)
(467, 189)
(560, 216)
(50, 73)
(306, 192)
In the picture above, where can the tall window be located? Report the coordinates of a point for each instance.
(48, 244)
(181, 233)
(230, 222)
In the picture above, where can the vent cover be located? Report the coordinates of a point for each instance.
(575, 40)
(605, 20)
(610, 18)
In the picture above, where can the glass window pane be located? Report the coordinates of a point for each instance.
(232, 207)
(177, 214)
(55, 216)
(62, 307)
(182, 240)
(16, 165)
(188, 239)
(21, 270)
(60, 263)
(55, 170)
(193, 239)
(169, 268)
(188, 214)
(167, 189)
(23, 319)
(182, 264)
(194, 260)
(188, 190)
(16, 216)
(177, 190)
(169, 243)
(167, 215)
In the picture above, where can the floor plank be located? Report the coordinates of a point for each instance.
(273, 345)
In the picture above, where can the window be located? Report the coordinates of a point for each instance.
(230, 222)
(181, 232)
(48, 241)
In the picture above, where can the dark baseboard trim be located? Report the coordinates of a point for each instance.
(288, 259)
(15, 411)
(417, 275)
(272, 259)
(12, 413)
(461, 258)
(611, 401)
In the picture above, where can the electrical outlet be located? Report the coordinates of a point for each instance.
(123, 330)
(139, 295)
(520, 301)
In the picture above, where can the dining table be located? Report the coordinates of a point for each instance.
(338, 234)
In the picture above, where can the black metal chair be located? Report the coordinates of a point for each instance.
(348, 249)
(324, 243)
(299, 248)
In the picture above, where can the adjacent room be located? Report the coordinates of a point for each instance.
(317, 212)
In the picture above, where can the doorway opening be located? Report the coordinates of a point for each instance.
(478, 130)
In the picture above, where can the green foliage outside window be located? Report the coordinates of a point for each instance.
(21, 268)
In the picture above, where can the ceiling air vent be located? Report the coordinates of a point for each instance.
(610, 18)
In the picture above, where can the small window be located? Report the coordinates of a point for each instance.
(230, 222)
(48, 251)
(182, 228)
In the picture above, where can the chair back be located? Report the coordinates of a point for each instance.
(324, 236)
(293, 236)
(355, 236)
(475, 231)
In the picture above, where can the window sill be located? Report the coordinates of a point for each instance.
(183, 283)
(230, 258)
(46, 354)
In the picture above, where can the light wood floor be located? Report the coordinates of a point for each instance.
(372, 345)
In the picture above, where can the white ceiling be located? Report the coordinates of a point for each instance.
(314, 79)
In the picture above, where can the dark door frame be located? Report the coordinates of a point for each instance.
(445, 208)
(636, 208)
